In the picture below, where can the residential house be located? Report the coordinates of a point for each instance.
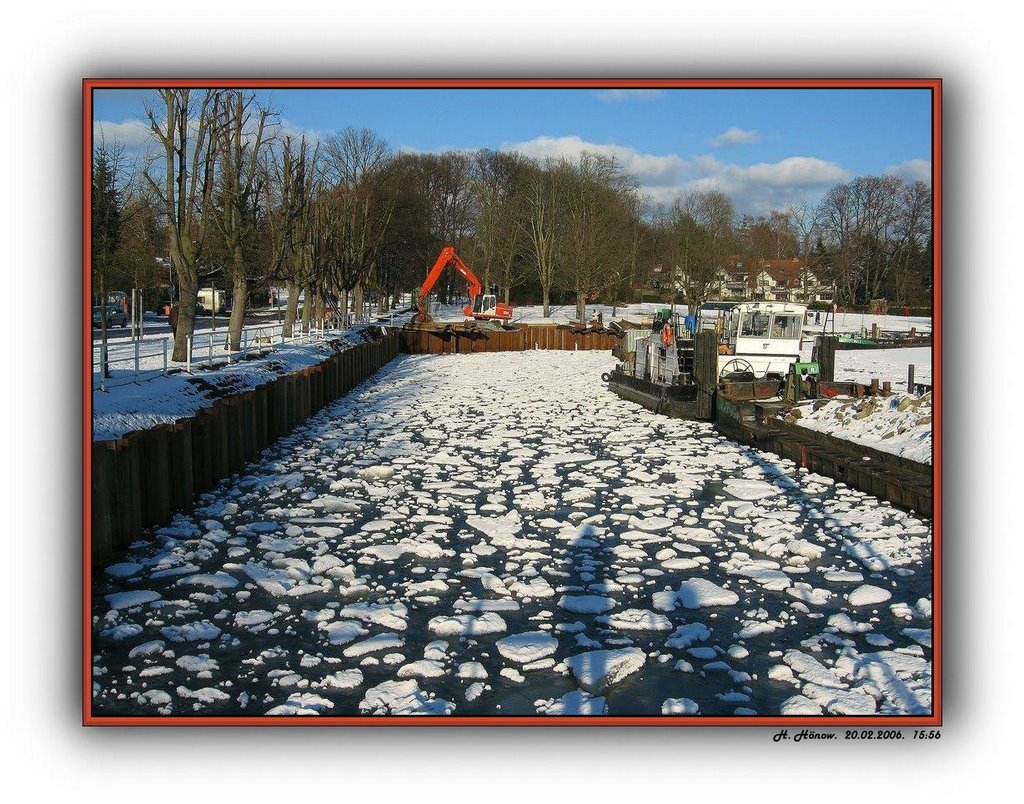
(743, 279)
(788, 280)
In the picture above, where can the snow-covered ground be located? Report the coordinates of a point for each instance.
(165, 399)
(452, 539)
(562, 314)
(900, 424)
(862, 365)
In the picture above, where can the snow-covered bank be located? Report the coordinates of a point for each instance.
(452, 539)
(900, 424)
(863, 365)
(162, 400)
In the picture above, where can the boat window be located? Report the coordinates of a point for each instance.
(786, 326)
(754, 325)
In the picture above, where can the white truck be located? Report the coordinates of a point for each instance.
(211, 299)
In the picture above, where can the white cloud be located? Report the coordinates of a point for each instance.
(753, 188)
(912, 170)
(130, 133)
(619, 95)
(647, 168)
(768, 185)
(735, 136)
(136, 137)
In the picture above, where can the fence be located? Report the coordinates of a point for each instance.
(206, 349)
(145, 359)
(123, 364)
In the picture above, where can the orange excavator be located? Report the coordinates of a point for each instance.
(480, 308)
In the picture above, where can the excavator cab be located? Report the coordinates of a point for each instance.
(485, 305)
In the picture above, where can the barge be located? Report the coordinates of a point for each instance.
(746, 352)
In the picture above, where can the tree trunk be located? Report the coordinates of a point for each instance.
(507, 289)
(581, 307)
(357, 302)
(239, 295)
(307, 307)
(188, 290)
(291, 308)
(318, 309)
(343, 308)
(547, 302)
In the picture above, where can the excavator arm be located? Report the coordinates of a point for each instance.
(446, 257)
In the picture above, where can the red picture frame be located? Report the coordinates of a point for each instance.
(934, 85)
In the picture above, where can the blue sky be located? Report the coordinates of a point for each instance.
(764, 147)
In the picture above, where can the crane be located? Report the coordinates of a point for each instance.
(481, 308)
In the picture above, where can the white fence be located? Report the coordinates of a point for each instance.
(123, 363)
(210, 348)
(115, 364)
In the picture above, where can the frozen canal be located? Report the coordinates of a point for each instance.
(501, 535)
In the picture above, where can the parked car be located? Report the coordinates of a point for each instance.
(114, 315)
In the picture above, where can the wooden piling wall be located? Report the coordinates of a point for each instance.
(528, 338)
(140, 479)
(889, 477)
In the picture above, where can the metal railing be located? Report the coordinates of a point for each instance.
(123, 364)
(209, 349)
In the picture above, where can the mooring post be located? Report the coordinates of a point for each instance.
(910, 378)
(826, 357)
(705, 371)
(874, 386)
(886, 388)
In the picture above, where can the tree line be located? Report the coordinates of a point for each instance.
(227, 196)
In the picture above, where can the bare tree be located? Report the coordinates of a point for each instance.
(594, 233)
(498, 185)
(242, 140)
(859, 221)
(634, 233)
(356, 162)
(541, 222)
(703, 224)
(288, 192)
(182, 179)
(913, 239)
(803, 223)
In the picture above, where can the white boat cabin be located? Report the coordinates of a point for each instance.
(761, 338)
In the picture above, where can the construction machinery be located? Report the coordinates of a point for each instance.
(480, 308)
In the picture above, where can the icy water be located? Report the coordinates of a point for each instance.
(474, 535)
